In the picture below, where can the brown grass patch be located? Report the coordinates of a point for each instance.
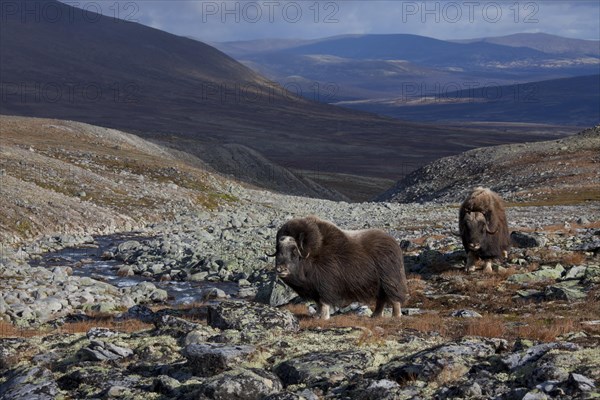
(546, 330)
(486, 326)
(573, 258)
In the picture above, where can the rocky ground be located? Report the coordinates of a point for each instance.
(531, 330)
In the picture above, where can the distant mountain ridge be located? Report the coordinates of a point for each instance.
(379, 68)
(544, 42)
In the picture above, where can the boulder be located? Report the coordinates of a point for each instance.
(29, 383)
(324, 369)
(275, 293)
(526, 240)
(244, 316)
(543, 274)
(208, 359)
(239, 384)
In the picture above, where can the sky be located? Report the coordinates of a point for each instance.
(220, 21)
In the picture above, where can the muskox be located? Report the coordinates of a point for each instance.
(335, 267)
(483, 228)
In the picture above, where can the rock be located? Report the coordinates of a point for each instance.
(465, 314)
(97, 332)
(534, 353)
(454, 359)
(213, 293)
(208, 359)
(323, 369)
(576, 272)
(240, 384)
(198, 276)
(583, 221)
(568, 290)
(275, 293)
(165, 385)
(580, 382)
(250, 316)
(545, 273)
(526, 240)
(592, 274)
(102, 351)
(175, 326)
(125, 270)
(28, 384)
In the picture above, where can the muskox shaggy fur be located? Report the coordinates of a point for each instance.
(334, 267)
(483, 228)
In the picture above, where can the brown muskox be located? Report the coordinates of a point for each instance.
(483, 228)
(335, 267)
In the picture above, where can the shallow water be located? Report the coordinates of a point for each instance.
(93, 266)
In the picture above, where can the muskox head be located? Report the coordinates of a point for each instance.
(297, 239)
(475, 230)
(288, 256)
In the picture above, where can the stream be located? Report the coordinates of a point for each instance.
(86, 260)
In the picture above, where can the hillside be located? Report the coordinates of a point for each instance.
(553, 172)
(64, 176)
(566, 101)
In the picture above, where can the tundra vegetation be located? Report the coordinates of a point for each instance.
(530, 330)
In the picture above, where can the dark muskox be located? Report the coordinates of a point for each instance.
(483, 228)
(336, 267)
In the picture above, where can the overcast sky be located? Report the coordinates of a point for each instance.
(218, 21)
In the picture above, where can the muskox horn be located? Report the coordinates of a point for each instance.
(271, 255)
(488, 230)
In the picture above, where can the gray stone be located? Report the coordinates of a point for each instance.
(240, 384)
(534, 353)
(29, 384)
(568, 290)
(208, 359)
(103, 351)
(213, 293)
(250, 316)
(576, 272)
(324, 369)
(545, 273)
(592, 274)
(465, 314)
(581, 382)
(275, 293)
(526, 240)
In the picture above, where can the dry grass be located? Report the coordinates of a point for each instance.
(546, 330)
(487, 326)
(8, 330)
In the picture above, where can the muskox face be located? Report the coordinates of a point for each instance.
(474, 231)
(287, 258)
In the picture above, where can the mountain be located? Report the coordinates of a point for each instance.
(546, 43)
(567, 101)
(366, 67)
(550, 172)
(187, 95)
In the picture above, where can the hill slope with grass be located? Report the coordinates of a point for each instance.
(557, 171)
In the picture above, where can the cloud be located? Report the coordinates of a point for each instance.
(215, 21)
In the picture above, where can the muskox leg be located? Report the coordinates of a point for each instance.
(488, 267)
(379, 308)
(323, 310)
(471, 260)
(505, 254)
(396, 309)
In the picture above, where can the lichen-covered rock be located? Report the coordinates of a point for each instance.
(275, 293)
(544, 273)
(103, 351)
(207, 359)
(324, 369)
(239, 384)
(250, 316)
(568, 290)
(532, 354)
(451, 359)
(29, 384)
